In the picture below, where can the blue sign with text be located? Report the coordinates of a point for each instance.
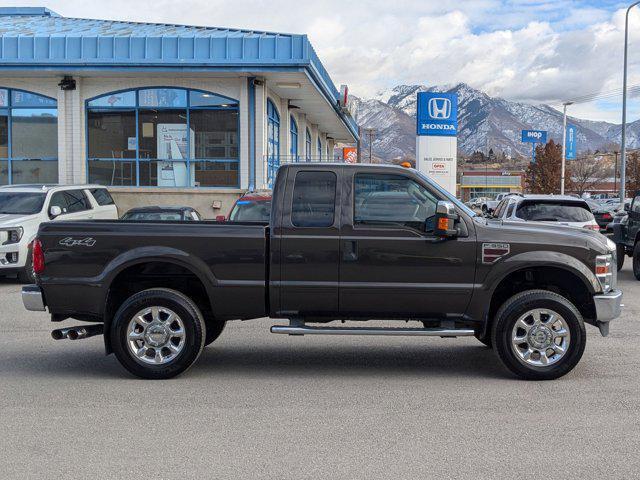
(572, 141)
(534, 136)
(437, 114)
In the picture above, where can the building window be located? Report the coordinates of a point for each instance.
(293, 130)
(273, 141)
(28, 138)
(307, 149)
(164, 137)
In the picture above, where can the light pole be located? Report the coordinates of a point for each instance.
(564, 145)
(623, 150)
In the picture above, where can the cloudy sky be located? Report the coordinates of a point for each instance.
(528, 50)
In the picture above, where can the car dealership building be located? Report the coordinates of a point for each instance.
(162, 114)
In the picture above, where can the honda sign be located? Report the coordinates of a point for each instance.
(437, 114)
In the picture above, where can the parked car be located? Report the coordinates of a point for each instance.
(24, 207)
(326, 254)
(603, 214)
(490, 205)
(477, 202)
(554, 209)
(253, 207)
(162, 214)
(626, 234)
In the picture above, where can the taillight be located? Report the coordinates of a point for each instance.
(607, 216)
(37, 256)
(595, 228)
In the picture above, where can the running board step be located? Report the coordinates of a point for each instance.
(410, 332)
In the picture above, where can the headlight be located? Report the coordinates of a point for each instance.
(13, 235)
(605, 272)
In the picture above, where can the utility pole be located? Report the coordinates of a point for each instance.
(615, 173)
(370, 134)
(623, 152)
(359, 145)
(564, 145)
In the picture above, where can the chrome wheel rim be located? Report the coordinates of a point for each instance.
(156, 335)
(540, 338)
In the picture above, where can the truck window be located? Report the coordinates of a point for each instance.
(77, 201)
(393, 200)
(102, 196)
(314, 197)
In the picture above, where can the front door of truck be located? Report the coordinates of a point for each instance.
(391, 264)
(309, 244)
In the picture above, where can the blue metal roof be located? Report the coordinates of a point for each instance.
(32, 37)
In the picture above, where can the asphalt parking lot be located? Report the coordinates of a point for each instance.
(259, 405)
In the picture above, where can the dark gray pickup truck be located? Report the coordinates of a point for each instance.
(345, 242)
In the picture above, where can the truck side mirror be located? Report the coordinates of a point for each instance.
(627, 207)
(55, 211)
(446, 217)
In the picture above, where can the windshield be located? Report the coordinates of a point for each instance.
(555, 212)
(251, 211)
(153, 216)
(20, 203)
(449, 197)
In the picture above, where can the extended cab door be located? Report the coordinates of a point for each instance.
(306, 242)
(391, 264)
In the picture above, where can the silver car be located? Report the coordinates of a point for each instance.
(552, 209)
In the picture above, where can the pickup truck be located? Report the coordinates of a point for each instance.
(344, 242)
(488, 206)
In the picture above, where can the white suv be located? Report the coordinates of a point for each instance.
(24, 207)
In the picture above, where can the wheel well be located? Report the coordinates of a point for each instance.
(553, 279)
(143, 276)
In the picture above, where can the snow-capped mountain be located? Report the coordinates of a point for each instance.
(484, 123)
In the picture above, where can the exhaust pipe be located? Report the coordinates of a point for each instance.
(61, 333)
(78, 333)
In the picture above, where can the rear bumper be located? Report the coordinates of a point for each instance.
(32, 298)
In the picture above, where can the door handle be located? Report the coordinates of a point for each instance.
(350, 250)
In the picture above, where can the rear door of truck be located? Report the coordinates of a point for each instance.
(305, 242)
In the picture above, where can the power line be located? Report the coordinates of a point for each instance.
(591, 97)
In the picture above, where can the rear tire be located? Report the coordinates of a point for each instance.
(620, 254)
(157, 333)
(539, 335)
(636, 260)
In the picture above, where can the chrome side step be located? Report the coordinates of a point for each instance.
(411, 332)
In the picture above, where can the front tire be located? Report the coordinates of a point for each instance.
(636, 260)
(539, 335)
(158, 333)
(620, 254)
(26, 275)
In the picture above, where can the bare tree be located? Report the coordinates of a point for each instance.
(586, 173)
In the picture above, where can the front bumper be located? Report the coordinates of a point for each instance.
(608, 307)
(32, 298)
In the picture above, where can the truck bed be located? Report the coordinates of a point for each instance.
(83, 258)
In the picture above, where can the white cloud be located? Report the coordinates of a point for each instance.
(528, 50)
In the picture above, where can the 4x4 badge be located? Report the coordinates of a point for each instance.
(78, 242)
